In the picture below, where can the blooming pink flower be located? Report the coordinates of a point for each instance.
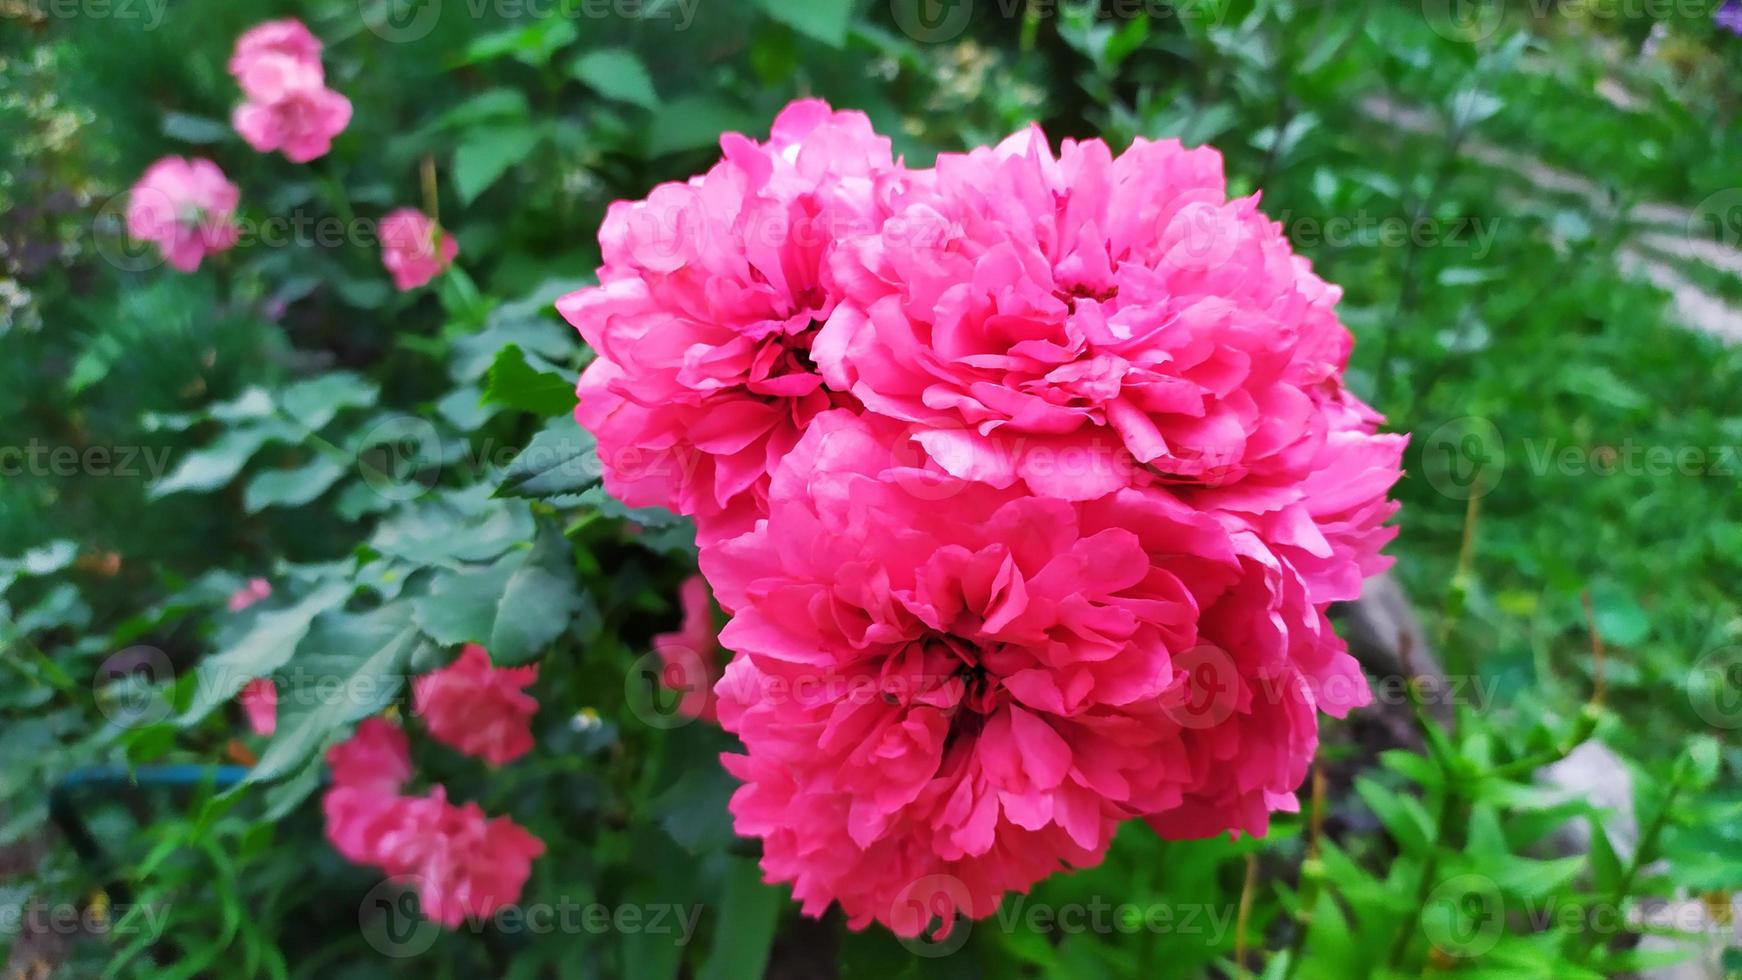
(259, 699)
(287, 36)
(256, 590)
(288, 107)
(408, 248)
(302, 123)
(1085, 322)
(477, 708)
(691, 655)
(463, 864)
(709, 298)
(946, 678)
(186, 207)
(368, 771)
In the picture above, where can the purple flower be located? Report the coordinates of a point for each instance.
(1729, 16)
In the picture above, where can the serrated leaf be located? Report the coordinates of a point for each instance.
(825, 20)
(215, 465)
(265, 648)
(511, 381)
(561, 459)
(316, 402)
(486, 155)
(352, 666)
(514, 608)
(291, 487)
(616, 73)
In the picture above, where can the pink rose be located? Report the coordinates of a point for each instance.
(710, 296)
(690, 656)
(186, 207)
(288, 107)
(476, 708)
(259, 699)
(256, 590)
(409, 248)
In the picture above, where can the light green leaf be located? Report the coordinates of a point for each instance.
(214, 466)
(316, 402)
(694, 122)
(514, 608)
(486, 155)
(616, 73)
(517, 384)
(559, 460)
(749, 911)
(352, 666)
(825, 20)
(265, 648)
(291, 487)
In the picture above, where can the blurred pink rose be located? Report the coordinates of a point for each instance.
(408, 248)
(186, 207)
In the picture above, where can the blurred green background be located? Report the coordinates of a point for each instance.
(1534, 209)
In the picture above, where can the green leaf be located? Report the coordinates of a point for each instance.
(263, 649)
(292, 487)
(455, 528)
(616, 73)
(514, 608)
(352, 667)
(195, 129)
(1620, 618)
(533, 44)
(208, 469)
(1402, 816)
(486, 155)
(316, 402)
(559, 460)
(694, 122)
(749, 911)
(513, 382)
(825, 20)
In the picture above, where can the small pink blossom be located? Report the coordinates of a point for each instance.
(302, 124)
(187, 207)
(409, 249)
(476, 708)
(368, 771)
(690, 656)
(288, 107)
(464, 865)
(287, 36)
(256, 590)
(259, 700)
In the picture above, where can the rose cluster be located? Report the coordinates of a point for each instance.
(1026, 480)
(187, 206)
